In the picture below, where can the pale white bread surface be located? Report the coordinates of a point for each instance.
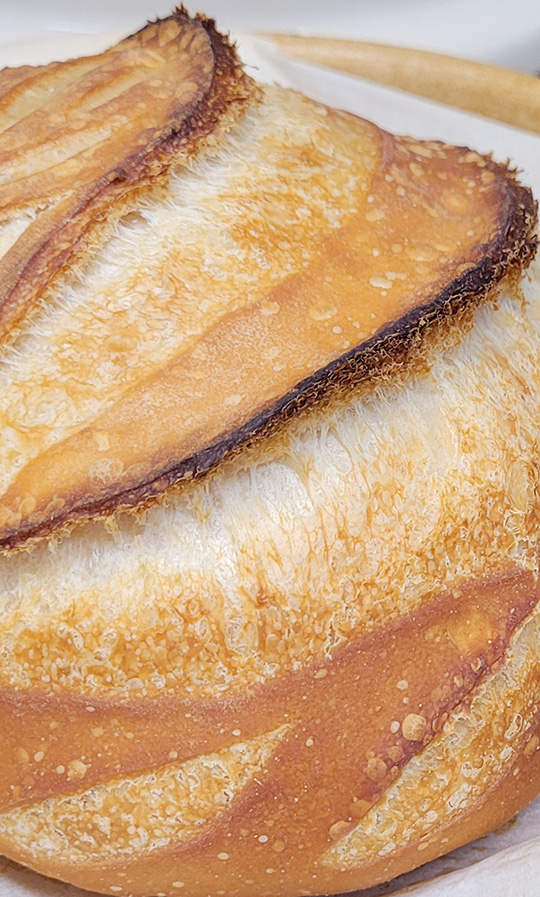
(288, 497)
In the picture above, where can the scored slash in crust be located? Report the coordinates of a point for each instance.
(430, 231)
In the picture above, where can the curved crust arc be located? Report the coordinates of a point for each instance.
(184, 420)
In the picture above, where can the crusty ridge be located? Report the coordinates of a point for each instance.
(361, 302)
(76, 137)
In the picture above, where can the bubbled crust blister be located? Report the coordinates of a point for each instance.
(277, 678)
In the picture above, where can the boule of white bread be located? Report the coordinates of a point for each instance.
(270, 417)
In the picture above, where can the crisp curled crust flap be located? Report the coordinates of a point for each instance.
(420, 231)
(76, 135)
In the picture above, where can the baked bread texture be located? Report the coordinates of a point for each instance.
(269, 454)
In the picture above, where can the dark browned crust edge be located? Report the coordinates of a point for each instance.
(230, 87)
(230, 90)
(393, 350)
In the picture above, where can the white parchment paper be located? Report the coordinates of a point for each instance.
(507, 862)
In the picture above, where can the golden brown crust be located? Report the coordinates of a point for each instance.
(469, 628)
(334, 757)
(316, 667)
(182, 77)
(508, 794)
(261, 364)
(187, 82)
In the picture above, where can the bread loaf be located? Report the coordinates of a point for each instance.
(269, 454)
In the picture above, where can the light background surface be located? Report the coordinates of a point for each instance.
(498, 31)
